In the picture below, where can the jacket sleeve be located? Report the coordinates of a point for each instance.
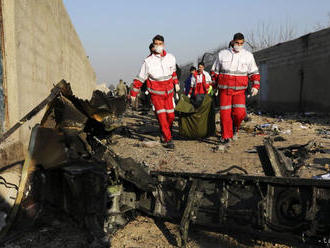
(253, 74)
(215, 70)
(138, 81)
(208, 81)
(174, 75)
(175, 78)
(192, 84)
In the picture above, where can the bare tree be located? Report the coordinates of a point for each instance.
(267, 35)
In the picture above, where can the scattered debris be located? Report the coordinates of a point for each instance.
(3, 217)
(324, 132)
(282, 165)
(68, 132)
(310, 113)
(323, 176)
(269, 129)
(150, 144)
(221, 148)
(54, 93)
(279, 138)
(251, 151)
(303, 127)
(288, 131)
(264, 126)
(76, 171)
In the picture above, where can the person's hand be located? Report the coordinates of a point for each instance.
(254, 92)
(177, 96)
(189, 96)
(133, 99)
(177, 87)
(146, 92)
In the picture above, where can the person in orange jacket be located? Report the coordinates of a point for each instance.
(159, 69)
(200, 84)
(232, 70)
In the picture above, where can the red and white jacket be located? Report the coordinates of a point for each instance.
(200, 83)
(233, 70)
(160, 72)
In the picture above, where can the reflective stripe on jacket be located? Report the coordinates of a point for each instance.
(200, 83)
(233, 70)
(160, 72)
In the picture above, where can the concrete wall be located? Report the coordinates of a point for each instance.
(294, 74)
(40, 48)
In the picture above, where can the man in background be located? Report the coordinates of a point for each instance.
(200, 84)
(187, 83)
(121, 89)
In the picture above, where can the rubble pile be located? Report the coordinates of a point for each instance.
(79, 166)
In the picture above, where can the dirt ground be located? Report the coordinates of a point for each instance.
(143, 232)
(203, 157)
(140, 140)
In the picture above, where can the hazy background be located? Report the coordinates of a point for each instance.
(116, 34)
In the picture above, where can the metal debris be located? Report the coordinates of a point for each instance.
(323, 176)
(3, 217)
(77, 172)
(54, 93)
(267, 128)
(282, 165)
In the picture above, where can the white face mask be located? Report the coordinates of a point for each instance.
(159, 49)
(238, 48)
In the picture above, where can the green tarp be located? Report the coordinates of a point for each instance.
(198, 122)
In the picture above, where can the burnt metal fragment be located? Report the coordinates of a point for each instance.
(71, 167)
(61, 167)
(282, 165)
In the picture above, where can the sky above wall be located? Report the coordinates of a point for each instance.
(116, 34)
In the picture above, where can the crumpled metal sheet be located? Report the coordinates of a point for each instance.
(47, 147)
(64, 138)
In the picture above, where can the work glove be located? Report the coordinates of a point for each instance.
(210, 90)
(254, 92)
(177, 87)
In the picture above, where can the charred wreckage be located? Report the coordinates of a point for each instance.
(71, 166)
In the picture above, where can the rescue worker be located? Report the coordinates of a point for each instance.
(232, 70)
(121, 89)
(127, 88)
(187, 83)
(144, 88)
(151, 49)
(200, 84)
(134, 102)
(160, 71)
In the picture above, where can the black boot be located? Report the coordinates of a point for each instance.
(223, 144)
(169, 144)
